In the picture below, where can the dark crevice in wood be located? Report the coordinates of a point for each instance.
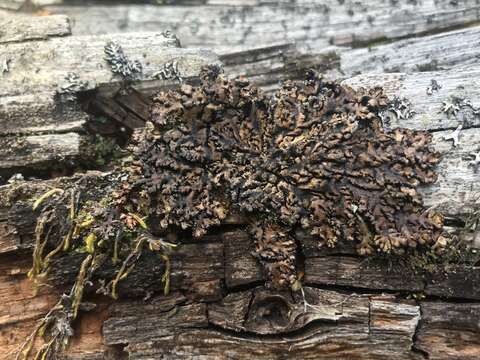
(245, 287)
(456, 222)
(414, 348)
(307, 330)
(299, 257)
(467, 127)
(399, 293)
(356, 44)
(249, 308)
(116, 352)
(345, 289)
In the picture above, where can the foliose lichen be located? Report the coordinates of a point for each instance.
(314, 157)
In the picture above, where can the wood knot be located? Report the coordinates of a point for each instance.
(270, 313)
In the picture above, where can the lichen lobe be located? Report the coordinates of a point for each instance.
(314, 156)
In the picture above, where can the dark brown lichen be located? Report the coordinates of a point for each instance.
(314, 156)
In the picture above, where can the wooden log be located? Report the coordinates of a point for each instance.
(165, 315)
(314, 24)
(219, 307)
(336, 323)
(449, 331)
(38, 72)
(456, 188)
(460, 84)
(19, 4)
(85, 56)
(442, 51)
(23, 28)
(43, 83)
(364, 333)
(38, 151)
(240, 269)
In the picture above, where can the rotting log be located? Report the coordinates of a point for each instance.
(349, 322)
(219, 308)
(347, 39)
(246, 24)
(46, 82)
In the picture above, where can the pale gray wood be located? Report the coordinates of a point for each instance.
(457, 190)
(23, 28)
(44, 66)
(427, 53)
(30, 100)
(460, 83)
(38, 70)
(37, 113)
(315, 24)
(21, 4)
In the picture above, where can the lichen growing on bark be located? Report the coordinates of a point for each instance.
(314, 157)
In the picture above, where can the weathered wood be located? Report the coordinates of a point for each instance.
(350, 272)
(37, 113)
(459, 83)
(449, 331)
(18, 4)
(334, 318)
(39, 71)
(456, 190)
(23, 28)
(335, 324)
(240, 269)
(264, 311)
(314, 24)
(32, 95)
(150, 321)
(358, 272)
(427, 53)
(38, 151)
(219, 307)
(366, 333)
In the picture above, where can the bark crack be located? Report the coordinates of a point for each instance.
(415, 335)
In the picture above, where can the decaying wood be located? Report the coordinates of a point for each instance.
(343, 322)
(313, 24)
(456, 190)
(38, 151)
(442, 51)
(443, 325)
(18, 4)
(25, 28)
(219, 307)
(32, 95)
